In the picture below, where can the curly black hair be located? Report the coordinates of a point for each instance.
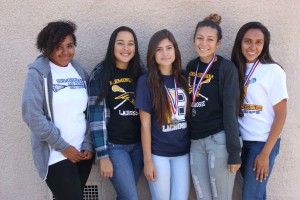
(53, 34)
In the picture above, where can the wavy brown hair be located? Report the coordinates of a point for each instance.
(160, 102)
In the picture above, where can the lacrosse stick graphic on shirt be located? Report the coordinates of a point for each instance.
(58, 87)
(125, 96)
(198, 90)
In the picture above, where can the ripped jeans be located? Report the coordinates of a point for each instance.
(209, 170)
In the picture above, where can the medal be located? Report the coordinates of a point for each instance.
(251, 72)
(174, 121)
(241, 114)
(173, 102)
(198, 86)
(193, 112)
(247, 79)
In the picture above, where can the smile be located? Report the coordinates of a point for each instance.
(65, 57)
(201, 49)
(125, 54)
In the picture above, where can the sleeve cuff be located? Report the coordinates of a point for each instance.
(101, 154)
(234, 158)
(87, 146)
(60, 145)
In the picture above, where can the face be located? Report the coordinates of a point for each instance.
(206, 43)
(252, 44)
(63, 53)
(124, 49)
(165, 54)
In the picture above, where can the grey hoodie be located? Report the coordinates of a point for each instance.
(37, 112)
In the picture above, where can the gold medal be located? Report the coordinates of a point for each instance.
(193, 112)
(174, 121)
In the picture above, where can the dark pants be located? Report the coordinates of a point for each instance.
(67, 180)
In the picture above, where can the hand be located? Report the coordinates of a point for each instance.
(87, 154)
(106, 168)
(234, 168)
(261, 166)
(150, 171)
(72, 154)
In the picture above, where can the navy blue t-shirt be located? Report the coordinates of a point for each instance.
(168, 140)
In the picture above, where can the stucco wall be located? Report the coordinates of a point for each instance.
(20, 21)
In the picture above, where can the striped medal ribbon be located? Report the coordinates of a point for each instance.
(195, 87)
(254, 66)
(247, 79)
(173, 102)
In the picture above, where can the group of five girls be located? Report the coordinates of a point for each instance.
(175, 124)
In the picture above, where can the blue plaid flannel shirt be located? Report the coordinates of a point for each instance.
(99, 114)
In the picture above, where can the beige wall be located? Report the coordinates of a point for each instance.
(20, 21)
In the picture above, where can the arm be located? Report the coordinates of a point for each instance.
(230, 100)
(144, 104)
(34, 115)
(277, 95)
(87, 146)
(40, 125)
(98, 115)
(149, 169)
(261, 163)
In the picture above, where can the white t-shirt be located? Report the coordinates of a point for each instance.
(266, 88)
(69, 103)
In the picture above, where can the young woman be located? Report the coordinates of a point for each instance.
(215, 144)
(53, 105)
(114, 121)
(163, 103)
(264, 98)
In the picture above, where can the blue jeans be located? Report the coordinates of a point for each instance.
(127, 161)
(252, 188)
(172, 179)
(209, 158)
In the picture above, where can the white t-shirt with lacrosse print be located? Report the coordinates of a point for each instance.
(69, 103)
(266, 88)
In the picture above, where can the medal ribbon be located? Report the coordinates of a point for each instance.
(195, 88)
(251, 72)
(173, 102)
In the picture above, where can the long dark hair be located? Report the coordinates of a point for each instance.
(239, 59)
(109, 63)
(160, 102)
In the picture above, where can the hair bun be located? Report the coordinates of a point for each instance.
(214, 17)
